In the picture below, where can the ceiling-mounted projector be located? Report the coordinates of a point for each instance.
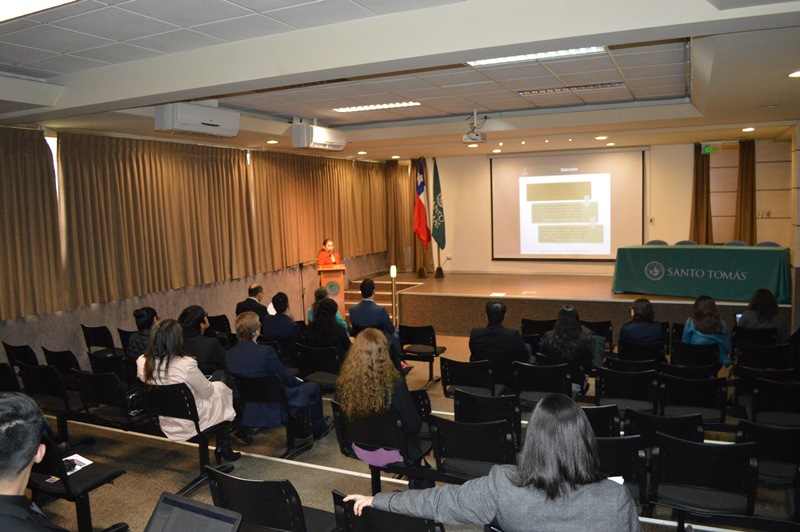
(474, 136)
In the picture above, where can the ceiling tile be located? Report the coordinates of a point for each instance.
(471, 88)
(16, 25)
(561, 99)
(55, 39)
(65, 64)
(239, 29)
(320, 13)
(579, 64)
(67, 10)
(666, 57)
(383, 7)
(519, 71)
(13, 54)
(115, 24)
(657, 81)
(176, 41)
(395, 84)
(187, 13)
(263, 6)
(508, 105)
(589, 78)
(453, 77)
(29, 72)
(547, 82)
(605, 95)
(647, 48)
(350, 89)
(421, 94)
(662, 91)
(654, 71)
(117, 53)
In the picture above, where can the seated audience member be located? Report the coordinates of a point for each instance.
(642, 329)
(324, 331)
(574, 344)
(145, 318)
(705, 326)
(22, 427)
(281, 326)
(164, 363)
(368, 314)
(762, 313)
(320, 294)
(249, 359)
(496, 339)
(208, 351)
(369, 384)
(557, 484)
(253, 302)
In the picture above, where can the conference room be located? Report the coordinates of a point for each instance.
(172, 154)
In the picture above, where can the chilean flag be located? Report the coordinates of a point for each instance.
(421, 207)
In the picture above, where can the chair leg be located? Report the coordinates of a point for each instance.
(292, 449)
(198, 481)
(84, 513)
(376, 479)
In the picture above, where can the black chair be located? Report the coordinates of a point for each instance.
(776, 403)
(471, 408)
(533, 340)
(106, 399)
(603, 419)
(744, 335)
(628, 390)
(532, 383)
(122, 367)
(8, 379)
(384, 431)
(266, 504)
(419, 344)
(502, 366)
(745, 522)
(372, 519)
(464, 451)
(45, 385)
(624, 456)
(744, 381)
(320, 365)
(176, 400)
(774, 356)
(269, 390)
(74, 487)
(685, 243)
(767, 244)
(287, 353)
(735, 243)
(124, 338)
(528, 326)
(777, 450)
(688, 427)
(708, 397)
(473, 377)
(656, 242)
(703, 478)
(65, 362)
(20, 353)
(694, 354)
(687, 372)
(100, 337)
(602, 328)
(220, 327)
(634, 351)
(675, 334)
(628, 365)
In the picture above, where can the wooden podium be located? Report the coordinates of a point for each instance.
(331, 276)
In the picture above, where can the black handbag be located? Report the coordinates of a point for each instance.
(134, 402)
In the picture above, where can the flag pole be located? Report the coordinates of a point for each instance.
(439, 271)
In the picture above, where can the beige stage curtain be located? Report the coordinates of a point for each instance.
(29, 241)
(744, 227)
(145, 216)
(299, 200)
(423, 258)
(400, 195)
(700, 229)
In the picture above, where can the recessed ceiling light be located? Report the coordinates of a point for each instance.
(499, 143)
(572, 88)
(748, 129)
(537, 56)
(375, 107)
(273, 141)
(362, 153)
(497, 150)
(472, 145)
(9, 10)
(570, 140)
(546, 140)
(795, 74)
(395, 156)
(600, 138)
(611, 143)
(523, 142)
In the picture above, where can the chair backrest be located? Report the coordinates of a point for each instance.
(767, 244)
(20, 353)
(120, 366)
(268, 390)
(63, 361)
(744, 335)
(383, 431)
(745, 379)
(774, 443)
(618, 364)
(634, 351)
(100, 389)
(97, 337)
(688, 427)
(272, 504)
(470, 374)
(173, 400)
(701, 393)
(528, 377)
(124, 338)
(539, 327)
(687, 372)
(43, 380)
(312, 359)
(417, 335)
(735, 243)
(490, 442)
(676, 333)
(694, 354)
(776, 397)
(8, 379)
(624, 456)
(471, 408)
(602, 328)
(604, 420)
(764, 356)
(220, 323)
(372, 519)
(685, 243)
(533, 340)
(638, 385)
(656, 242)
(728, 468)
(501, 364)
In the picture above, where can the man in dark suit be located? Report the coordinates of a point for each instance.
(281, 326)
(253, 302)
(249, 359)
(496, 339)
(367, 313)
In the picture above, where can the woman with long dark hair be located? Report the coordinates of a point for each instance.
(571, 343)
(557, 484)
(324, 331)
(163, 363)
(762, 313)
(320, 294)
(705, 326)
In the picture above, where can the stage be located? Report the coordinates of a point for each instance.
(455, 304)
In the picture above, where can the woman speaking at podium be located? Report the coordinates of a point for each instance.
(327, 255)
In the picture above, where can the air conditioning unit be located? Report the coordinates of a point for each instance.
(192, 118)
(321, 138)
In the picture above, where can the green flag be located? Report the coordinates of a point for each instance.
(438, 209)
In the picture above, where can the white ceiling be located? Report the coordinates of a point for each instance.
(679, 70)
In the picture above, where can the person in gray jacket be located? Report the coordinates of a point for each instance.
(556, 486)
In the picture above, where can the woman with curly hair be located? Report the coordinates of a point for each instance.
(368, 385)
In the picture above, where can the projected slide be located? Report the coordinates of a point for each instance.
(565, 214)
